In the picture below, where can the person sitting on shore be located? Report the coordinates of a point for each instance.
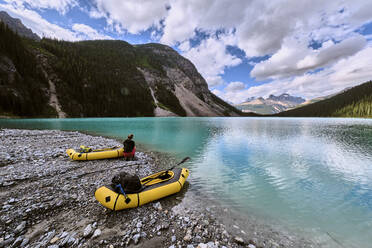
(129, 148)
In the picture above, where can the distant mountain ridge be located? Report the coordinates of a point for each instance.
(101, 78)
(271, 105)
(287, 98)
(17, 26)
(351, 102)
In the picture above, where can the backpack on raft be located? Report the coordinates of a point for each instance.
(85, 149)
(126, 182)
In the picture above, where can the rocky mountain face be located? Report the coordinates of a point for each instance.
(271, 105)
(179, 80)
(17, 26)
(102, 78)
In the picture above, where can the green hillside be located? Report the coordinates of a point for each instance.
(355, 102)
(98, 78)
(22, 86)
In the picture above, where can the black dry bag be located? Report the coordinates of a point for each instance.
(129, 183)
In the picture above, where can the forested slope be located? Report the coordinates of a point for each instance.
(23, 88)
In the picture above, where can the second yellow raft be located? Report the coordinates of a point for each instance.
(114, 152)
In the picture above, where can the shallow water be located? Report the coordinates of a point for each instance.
(313, 175)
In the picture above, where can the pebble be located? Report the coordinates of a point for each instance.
(136, 238)
(96, 233)
(47, 238)
(25, 242)
(187, 238)
(18, 241)
(208, 245)
(239, 240)
(55, 239)
(7, 242)
(20, 227)
(173, 239)
(88, 231)
(251, 246)
(158, 206)
(64, 234)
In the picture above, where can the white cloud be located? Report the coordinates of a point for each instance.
(262, 26)
(133, 15)
(94, 13)
(295, 58)
(86, 32)
(211, 59)
(234, 87)
(332, 52)
(43, 28)
(184, 17)
(347, 72)
(40, 26)
(62, 6)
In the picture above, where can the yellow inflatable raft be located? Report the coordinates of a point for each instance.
(113, 152)
(154, 187)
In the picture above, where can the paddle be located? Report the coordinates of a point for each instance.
(86, 149)
(149, 179)
(183, 161)
(106, 149)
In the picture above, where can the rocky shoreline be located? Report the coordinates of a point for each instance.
(48, 200)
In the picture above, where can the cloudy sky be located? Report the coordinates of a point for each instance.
(242, 48)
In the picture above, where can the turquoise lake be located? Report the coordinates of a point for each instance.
(313, 175)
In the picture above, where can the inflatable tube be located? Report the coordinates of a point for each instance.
(153, 189)
(106, 153)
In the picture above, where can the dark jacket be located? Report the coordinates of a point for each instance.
(128, 145)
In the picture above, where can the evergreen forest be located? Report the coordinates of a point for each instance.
(23, 88)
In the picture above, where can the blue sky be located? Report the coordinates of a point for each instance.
(242, 48)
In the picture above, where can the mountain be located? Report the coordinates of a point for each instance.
(352, 102)
(271, 105)
(17, 26)
(100, 78)
(287, 99)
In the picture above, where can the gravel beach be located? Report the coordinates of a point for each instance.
(47, 200)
